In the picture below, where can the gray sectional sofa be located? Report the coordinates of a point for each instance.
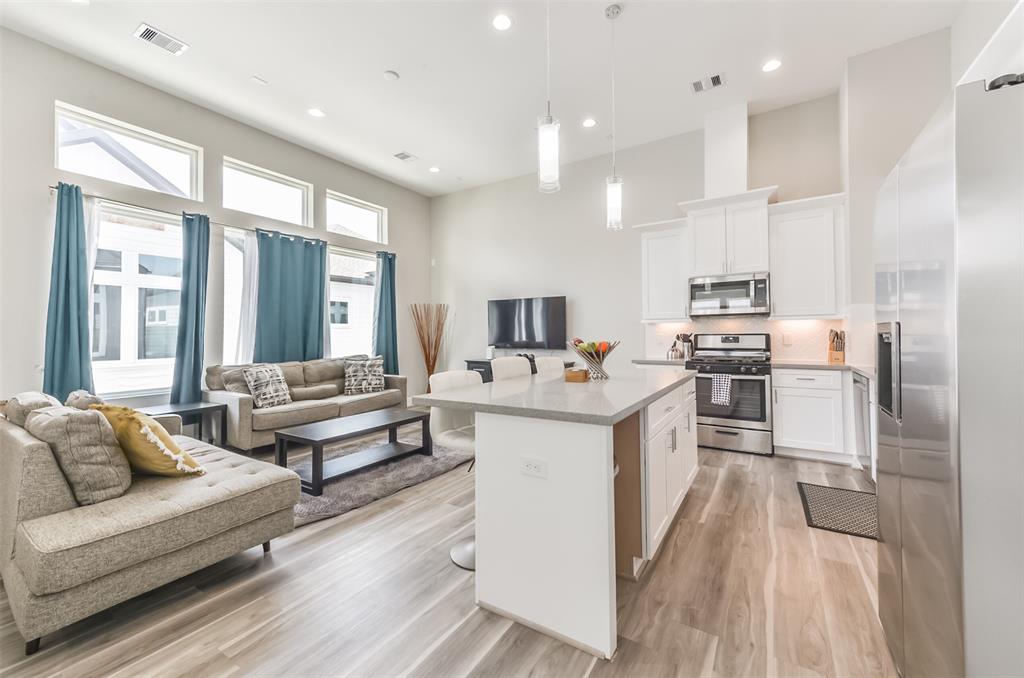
(317, 388)
(62, 562)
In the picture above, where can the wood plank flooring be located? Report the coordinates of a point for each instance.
(742, 588)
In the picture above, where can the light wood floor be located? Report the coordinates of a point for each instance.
(742, 588)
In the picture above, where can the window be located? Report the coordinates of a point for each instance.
(356, 218)
(255, 190)
(101, 147)
(353, 276)
(136, 290)
(234, 277)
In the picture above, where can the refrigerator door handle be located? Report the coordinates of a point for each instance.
(897, 373)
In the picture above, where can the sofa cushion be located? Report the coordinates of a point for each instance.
(234, 379)
(318, 392)
(367, 402)
(293, 373)
(17, 407)
(215, 376)
(157, 515)
(150, 449)
(267, 385)
(325, 371)
(293, 414)
(86, 451)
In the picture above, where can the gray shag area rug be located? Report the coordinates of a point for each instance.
(366, 486)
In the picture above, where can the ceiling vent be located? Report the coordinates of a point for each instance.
(160, 39)
(704, 84)
(406, 157)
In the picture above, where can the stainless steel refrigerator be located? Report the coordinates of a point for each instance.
(949, 309)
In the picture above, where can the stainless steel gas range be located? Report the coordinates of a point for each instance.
(745, 423)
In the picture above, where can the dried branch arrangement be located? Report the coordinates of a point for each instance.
(430, 321)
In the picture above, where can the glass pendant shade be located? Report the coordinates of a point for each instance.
(547, 154)
(614, 203)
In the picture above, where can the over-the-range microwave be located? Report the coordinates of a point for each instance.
(738, 294)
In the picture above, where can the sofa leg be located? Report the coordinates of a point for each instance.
(32, 646)
(266, 547)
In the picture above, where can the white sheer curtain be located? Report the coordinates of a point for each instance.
(327, 307)
(91, 210)
(250, 283)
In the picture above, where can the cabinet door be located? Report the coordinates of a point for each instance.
(747, 236)
(657, 498)
(709, 241)
(688, 446)
(665, 274)
(808, 419)
(675, 473)
(803, 264)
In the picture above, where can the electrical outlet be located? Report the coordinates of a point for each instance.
(537, 468)
(787, 339)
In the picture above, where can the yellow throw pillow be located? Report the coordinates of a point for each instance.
(149, 447)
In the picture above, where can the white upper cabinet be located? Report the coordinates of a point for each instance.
(666, 274)
(710, 248)
(806, 262)
(747, 236)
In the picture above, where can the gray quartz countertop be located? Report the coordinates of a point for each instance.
(782, 363)
(549, 396)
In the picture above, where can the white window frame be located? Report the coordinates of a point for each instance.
(129, 277)
(195, 153)
(270, 175)
(382, 214)
(355, 254)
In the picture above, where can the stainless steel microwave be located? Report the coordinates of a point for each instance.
(738, 294)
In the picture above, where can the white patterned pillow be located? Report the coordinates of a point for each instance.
(364, 375)
(267, 385)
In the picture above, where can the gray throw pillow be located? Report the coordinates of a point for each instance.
(82, 399)
(86, 450)
(267, 385)
(234, 380)
(364, 376)
(18, 407)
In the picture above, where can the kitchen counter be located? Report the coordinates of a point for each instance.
(802, 364)
(605, 402)
(659, 361)
(545, 493)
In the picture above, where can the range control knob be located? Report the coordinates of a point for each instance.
(753, 370)
(743, 370)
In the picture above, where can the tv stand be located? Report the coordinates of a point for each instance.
(483, 366)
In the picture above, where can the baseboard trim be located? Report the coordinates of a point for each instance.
(816, 455)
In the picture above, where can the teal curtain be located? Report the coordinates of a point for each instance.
(188, 355)
(67, 363)
(385, 329)
(290, 298)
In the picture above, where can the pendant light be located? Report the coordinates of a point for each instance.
(613, 187)
(547, 129)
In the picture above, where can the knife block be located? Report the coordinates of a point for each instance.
(837, 357)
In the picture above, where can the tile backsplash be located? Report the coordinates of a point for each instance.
(791, 339)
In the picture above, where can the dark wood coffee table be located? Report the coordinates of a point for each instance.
(331, 431)
(194, 413)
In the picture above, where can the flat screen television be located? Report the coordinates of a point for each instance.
(535, 322)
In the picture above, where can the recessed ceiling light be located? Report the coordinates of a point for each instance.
(257, 80)
(434, 170)
(316, 113)
(502, 22)
(771, 65)
(589, 122)
(391, 75)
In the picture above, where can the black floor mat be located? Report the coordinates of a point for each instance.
(839, 510)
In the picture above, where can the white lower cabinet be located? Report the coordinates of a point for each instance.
(671, 466)
(808, 417)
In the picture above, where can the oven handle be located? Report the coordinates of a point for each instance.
(727, 433)
(741, 377)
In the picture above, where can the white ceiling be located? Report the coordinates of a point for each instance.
(469, 96)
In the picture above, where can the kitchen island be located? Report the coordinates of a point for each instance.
(555, 522)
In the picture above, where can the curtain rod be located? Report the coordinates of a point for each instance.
(217, 223)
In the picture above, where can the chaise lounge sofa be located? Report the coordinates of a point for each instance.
(62, 562)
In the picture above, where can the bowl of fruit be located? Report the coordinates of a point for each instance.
(593, 354)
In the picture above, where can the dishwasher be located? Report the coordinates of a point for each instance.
(862, 414)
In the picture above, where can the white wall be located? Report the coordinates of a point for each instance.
(33, 75)
(508, 240)
(970, 32)
(890, 93)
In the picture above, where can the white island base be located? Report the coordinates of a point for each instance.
(546, 542)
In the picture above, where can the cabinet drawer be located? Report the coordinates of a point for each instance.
(663, 410)
(690, 390)
(825, 379)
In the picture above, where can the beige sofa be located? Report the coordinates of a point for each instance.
(250, 427)
(62, 562)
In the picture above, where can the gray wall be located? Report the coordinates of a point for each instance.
(508, 240)
(34, 75)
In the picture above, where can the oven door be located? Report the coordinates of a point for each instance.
(745, 294)
(750, 406)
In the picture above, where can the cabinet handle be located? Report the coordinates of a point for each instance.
(775, 392)
(805, 379)
(674, 441)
